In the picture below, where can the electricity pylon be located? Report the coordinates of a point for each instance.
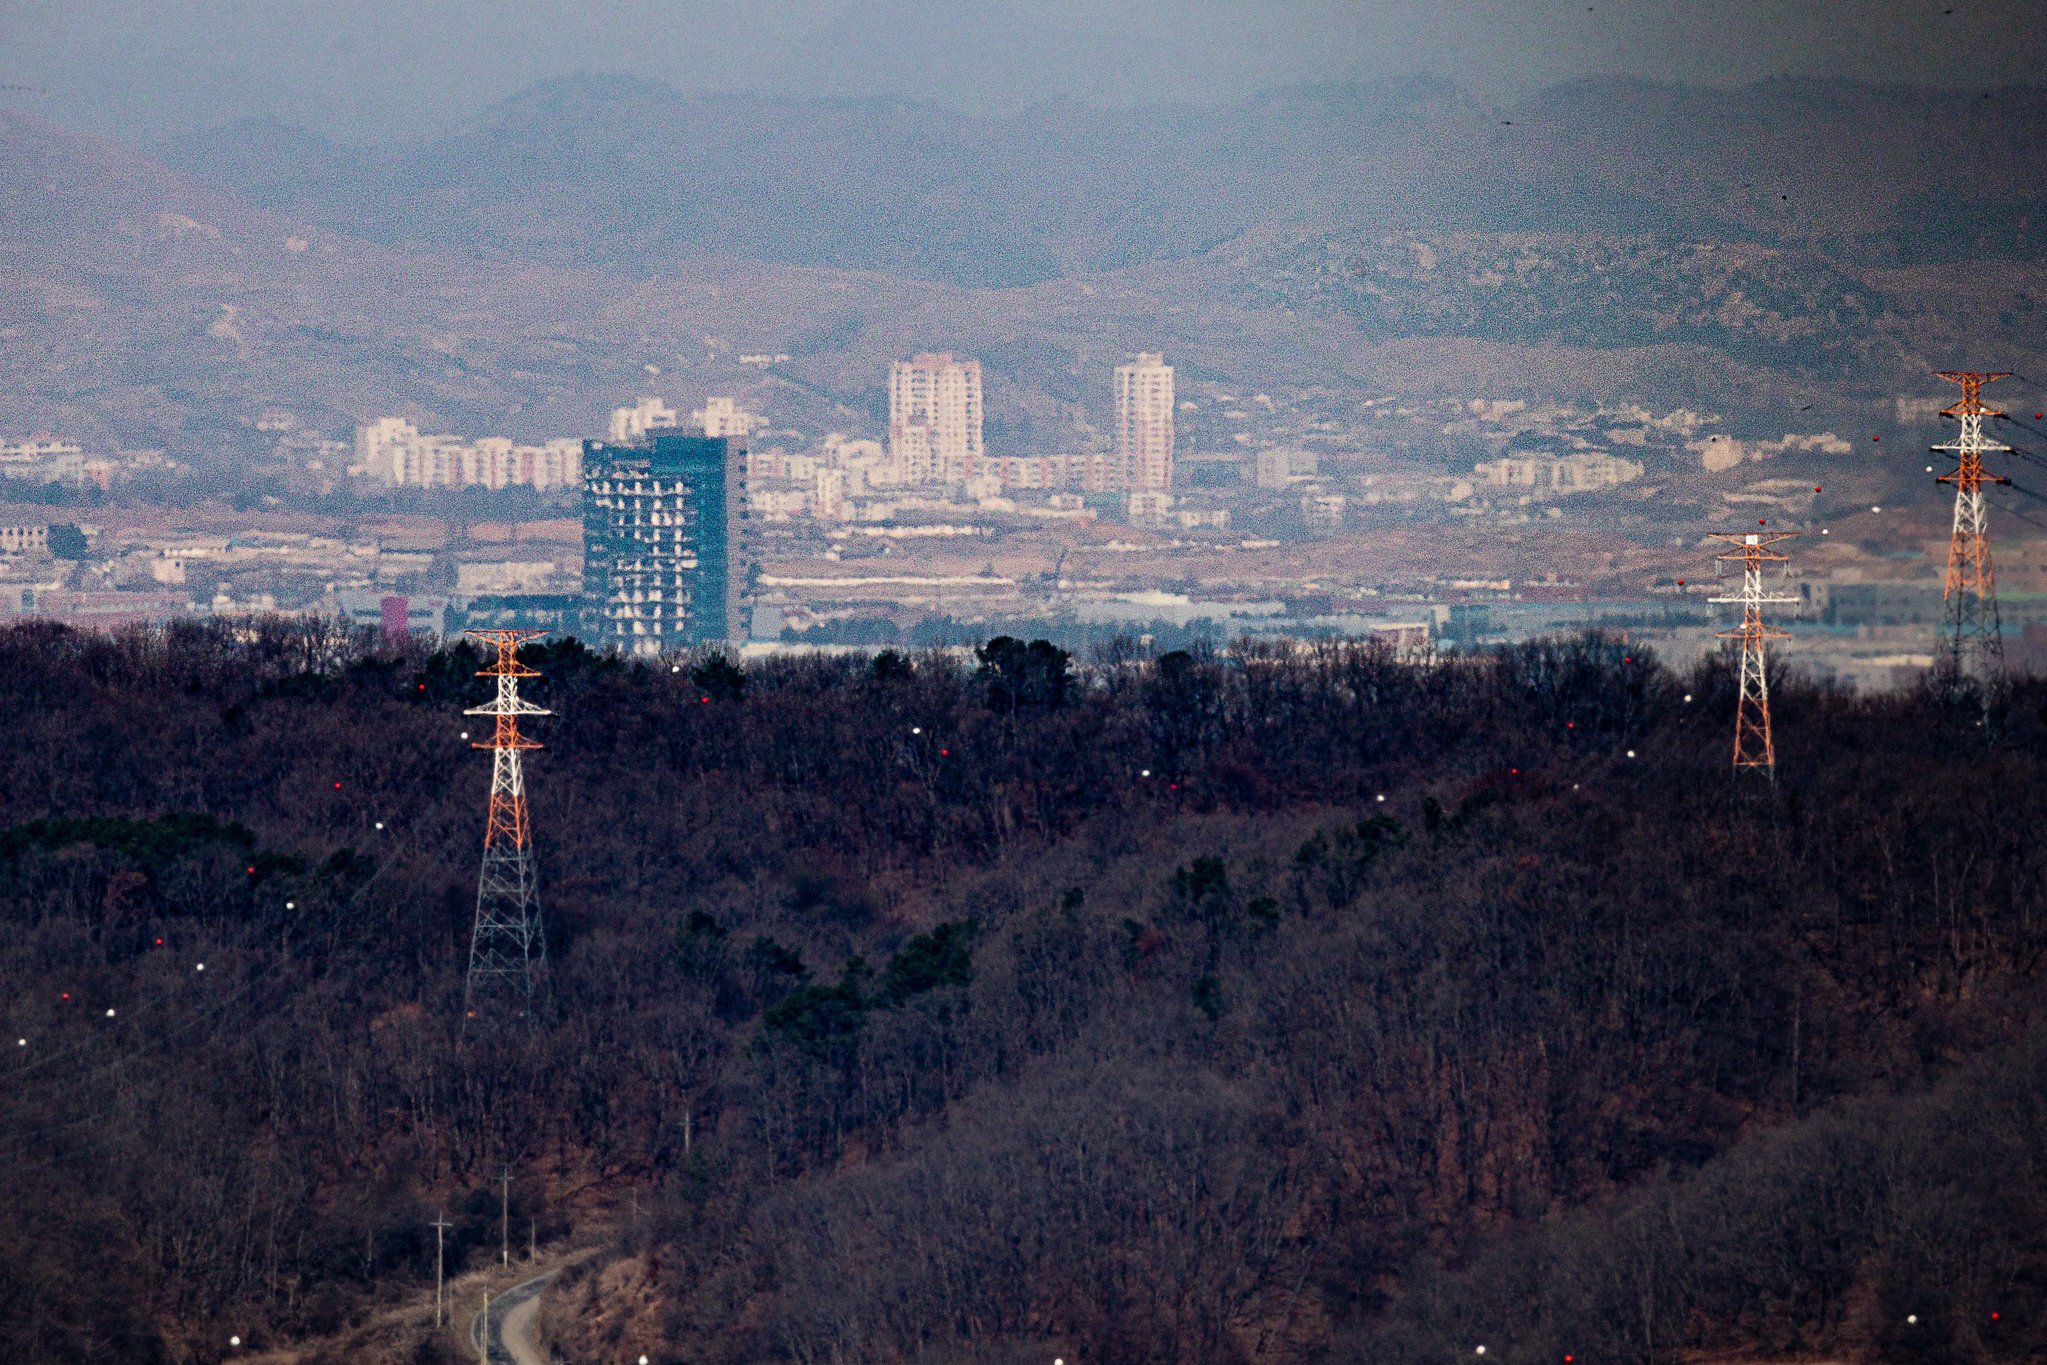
(1754, 748)
(1974, 641)
(508, 947)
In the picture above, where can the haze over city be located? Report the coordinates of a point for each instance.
(1142, 682)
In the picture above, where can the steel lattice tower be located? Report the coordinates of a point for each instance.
(1975, 639)
(508, 947)
(1754, 749)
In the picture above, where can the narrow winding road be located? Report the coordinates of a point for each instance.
(504, 1333)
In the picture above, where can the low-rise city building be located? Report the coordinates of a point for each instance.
(393, 450)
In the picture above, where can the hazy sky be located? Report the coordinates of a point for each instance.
(370, 70)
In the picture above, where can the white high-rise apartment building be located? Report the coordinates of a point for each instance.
(630, 424)
(724, 417)
(1144, 423)
(934, 419)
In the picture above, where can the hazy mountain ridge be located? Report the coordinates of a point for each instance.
(1758, 303)
(149, 306)
(627, 174)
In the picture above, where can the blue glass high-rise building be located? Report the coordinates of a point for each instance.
(661, 542)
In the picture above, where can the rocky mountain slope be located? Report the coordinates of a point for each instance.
(1749, 252)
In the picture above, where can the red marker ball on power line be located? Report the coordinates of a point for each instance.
(337, 786)
(1815, 488)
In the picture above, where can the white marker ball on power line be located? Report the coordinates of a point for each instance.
(291, 905)
(465, 734)
(234, 1341)
(1876, 509)
(1631, 753)
(1382, 796)
(200, 968)
(1481, 1350)
(1688, 696)
(110, 1014)
(21, 1042)
(380, 824)
(1911, 1318)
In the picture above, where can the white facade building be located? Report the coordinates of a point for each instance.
(393, 450)
(1280, 468)
(1148, 507)
(934, 419)
(1323, 512)
(830, 499)
(475, 577)
(724, 417)
(630, 424)
(1144, 422)
(1554, 475)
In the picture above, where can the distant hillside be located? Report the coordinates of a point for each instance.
(1611, 242)
(1283, 1005)
(627, 174)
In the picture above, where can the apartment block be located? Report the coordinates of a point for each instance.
(1144, 423)
(934, 419)
(395, 451)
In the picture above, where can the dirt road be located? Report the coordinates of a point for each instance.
(505, 1332)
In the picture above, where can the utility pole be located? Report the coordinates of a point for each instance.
(508, 947)
(1754, 748)
(505, 1220)
(440, 1227)
(1975, 638)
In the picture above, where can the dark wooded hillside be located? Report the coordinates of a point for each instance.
(932, 1008)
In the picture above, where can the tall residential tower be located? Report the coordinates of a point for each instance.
(661, 542)
(934, 419)
(1144, 423)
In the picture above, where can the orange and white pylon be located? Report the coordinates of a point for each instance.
(508, 947)
(1974, 640)
(1755, 749)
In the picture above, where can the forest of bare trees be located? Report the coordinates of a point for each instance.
(1283, 1003)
